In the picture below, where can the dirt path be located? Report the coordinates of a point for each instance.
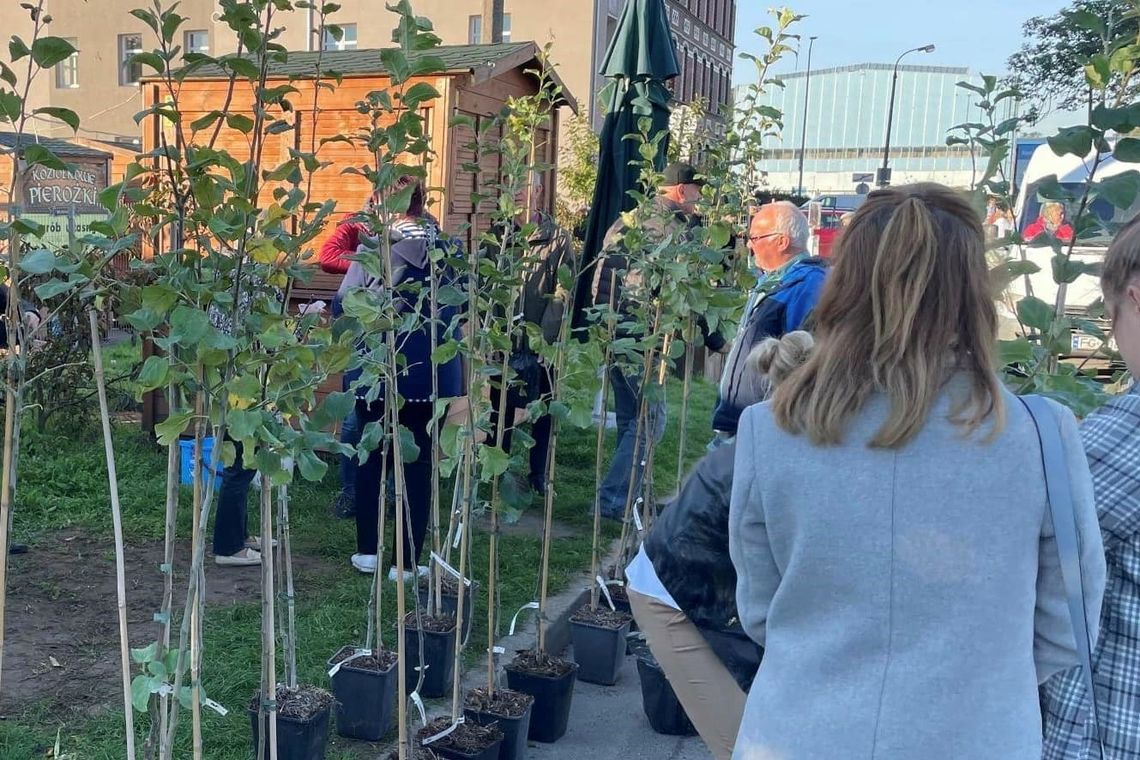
(61, 648)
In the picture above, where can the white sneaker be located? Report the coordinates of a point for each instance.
(421, 571)
(365, 563)
(245, 558)
(254, 542)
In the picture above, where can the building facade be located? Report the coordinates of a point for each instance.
(846, 117)
(101, 85)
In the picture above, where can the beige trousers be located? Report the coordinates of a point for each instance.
(710, 695)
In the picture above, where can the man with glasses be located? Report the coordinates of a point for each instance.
(789, 284)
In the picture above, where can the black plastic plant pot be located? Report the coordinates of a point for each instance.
(553, 695)
(438, 661)
(490, 753)
(365, 700)
(599, 651)
(662, 708)
(514, 730)
(296, 739)
(449, 605)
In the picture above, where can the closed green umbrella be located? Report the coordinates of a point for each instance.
(640, 60)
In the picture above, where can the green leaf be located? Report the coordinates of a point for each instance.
(1034, 312)
(11, 106)
(155, 372)
(145, 654)
(188, 325)
(66, 115)
(53, 288)
(240, 122)
(493, 461)
(1127, 150)
(173, 426)
(39, 261)
(48, 51)
(1120, 189)
(157, 669)
(312, 467)
(1067, 270)
(409, 449)
(140, 693)
(160, 298)
(1076, 141)
(147, 17)
(205, 122)
(1015, 351)
(444, 353)
(17, 49)
(39, 155)
(1086, 19)
(243, 423)
(152, 60)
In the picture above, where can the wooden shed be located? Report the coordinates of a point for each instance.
(476, 82)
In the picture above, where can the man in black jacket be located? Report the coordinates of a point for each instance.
(673, 214)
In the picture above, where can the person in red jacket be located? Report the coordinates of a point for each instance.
(342, 243)
(1052, 220)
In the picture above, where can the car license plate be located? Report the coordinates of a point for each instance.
(1089, 343)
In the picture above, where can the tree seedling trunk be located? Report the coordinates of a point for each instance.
(117, 522)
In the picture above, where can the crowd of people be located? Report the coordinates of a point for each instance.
(864, 562)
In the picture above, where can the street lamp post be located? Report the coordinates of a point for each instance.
(884, 173)
(803, 134)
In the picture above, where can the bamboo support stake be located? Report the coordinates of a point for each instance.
(169, 533)
(599, 446)
(117, 522)
(686, 388)
(435, 578)
(401, 643)
(198, 537)
(268, 632)
(11, 442)
(457, 672)
(286, 547)
(376, 622)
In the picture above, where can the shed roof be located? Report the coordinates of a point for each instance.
(61, 148)
(482, 61)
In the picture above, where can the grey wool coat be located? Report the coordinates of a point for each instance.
(909, 601)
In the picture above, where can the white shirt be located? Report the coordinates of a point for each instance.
(642, 578)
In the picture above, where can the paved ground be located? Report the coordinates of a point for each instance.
(607, 722)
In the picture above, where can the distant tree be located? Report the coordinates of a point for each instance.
(1050, 66)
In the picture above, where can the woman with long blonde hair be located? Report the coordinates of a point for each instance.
(888, 521)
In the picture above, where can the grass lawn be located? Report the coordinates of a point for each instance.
(62, 502)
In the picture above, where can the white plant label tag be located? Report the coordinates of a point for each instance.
(449, 569)
(419, 703)
(443, 733)
(606, 592)
(515, 619)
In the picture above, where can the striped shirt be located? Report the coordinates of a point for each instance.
(1112, 441)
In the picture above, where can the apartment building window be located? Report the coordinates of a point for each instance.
(129, 46)
(687, 27)
(197, 41)
(67, 70)
(506, 27)
(347, 39)
(474, 30)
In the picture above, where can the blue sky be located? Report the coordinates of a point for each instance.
(979, 34)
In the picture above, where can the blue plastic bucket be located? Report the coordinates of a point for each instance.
(186, 458)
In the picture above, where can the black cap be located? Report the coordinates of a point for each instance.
(680, 173)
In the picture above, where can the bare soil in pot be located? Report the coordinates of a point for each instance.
(541, 664)
(432, 623)
(467, 738)
(377, 661)
(299, 704)
(504, 703)
(603, 617)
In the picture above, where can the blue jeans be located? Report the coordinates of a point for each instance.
(627, 462)
(349, 434)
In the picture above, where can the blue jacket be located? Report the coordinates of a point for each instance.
(782, 307)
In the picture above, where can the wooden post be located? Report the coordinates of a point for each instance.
(492, 22)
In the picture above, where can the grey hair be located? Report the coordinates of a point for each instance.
(790, 221)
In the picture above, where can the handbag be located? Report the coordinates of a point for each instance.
(1060, 494)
